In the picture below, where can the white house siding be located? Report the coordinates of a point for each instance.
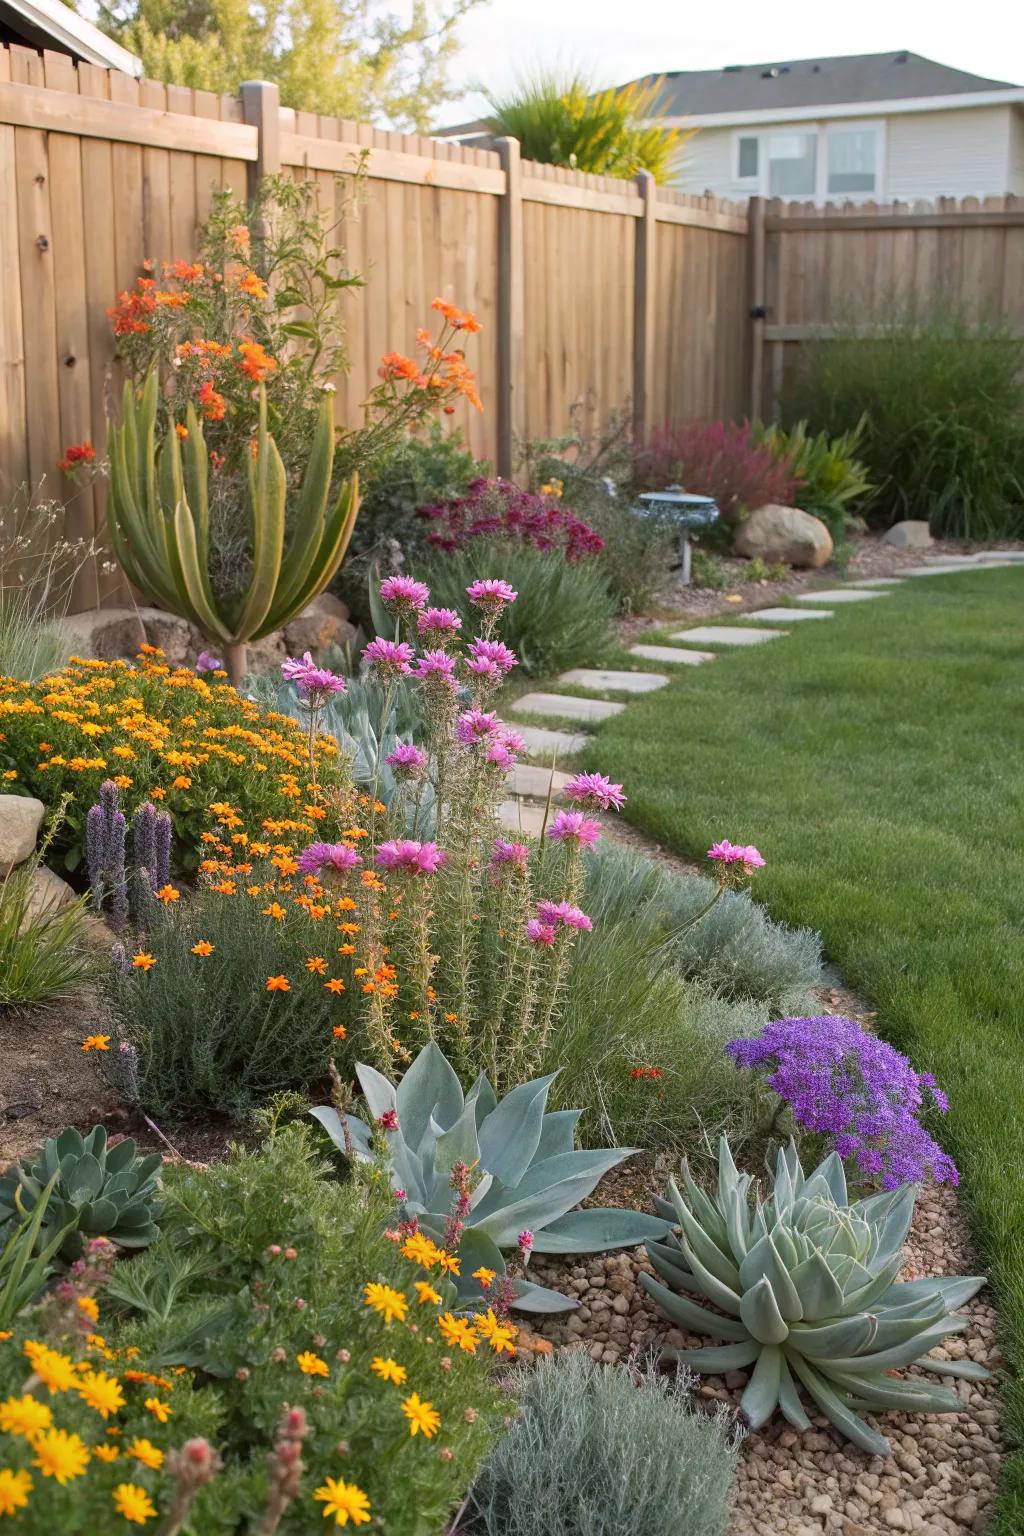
(1015, 180)
(963, 153)
(708, 165)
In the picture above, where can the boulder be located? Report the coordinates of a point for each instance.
(106, 633)
(20, 820)
(784, 533)
(325, 622)
(911, 534)
(179, 640)
(47, 893)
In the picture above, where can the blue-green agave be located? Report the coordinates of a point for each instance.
(806, 1291)
(528, 1172)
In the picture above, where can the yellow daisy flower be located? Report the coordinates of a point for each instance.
(345, 1501)
(60, 1455)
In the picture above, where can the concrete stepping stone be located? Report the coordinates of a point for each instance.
(567, 706)
(878, 581)
(838, 595)
(714, 634)
(614, 682)
(521, 816)
(671, 654)
(944, 569)
(544, 743)
(788, 614)
(526, 779)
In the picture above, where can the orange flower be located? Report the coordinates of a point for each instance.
(256, 363)
(181, 431)
(240, 238)
(96, 1043)
(78, 453)
(184, 271)
(204, 947)
(143, 961)
(225, 887)
(335, 985)
(278, 984)
(253, 285)
(276, 911)
(316, 965)
(340, 1032)
(167, 894)
(213, 404)
(394, 366)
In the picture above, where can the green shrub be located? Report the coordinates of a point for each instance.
(831, 478)
(44, 953)
(601, 1451)
(707, 570)
(944, 399)
(562, 616)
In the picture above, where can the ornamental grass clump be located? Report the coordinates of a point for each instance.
(857, 1090)
(805, 1291)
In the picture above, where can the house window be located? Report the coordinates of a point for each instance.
(852, 160)
(747, 159)
(792, 164)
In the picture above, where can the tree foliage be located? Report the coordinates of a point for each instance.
(347, 58)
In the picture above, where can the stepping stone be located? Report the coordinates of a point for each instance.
(614, 682)
(878, 581)
(1003, 555)
(789, 614)
(838, 595)
(567, 706)
(713, 634)
(945, 569)
(543, 743)
(521, 816)
(526, 779)
(671, 654)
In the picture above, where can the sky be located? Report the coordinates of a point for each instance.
(617, 40)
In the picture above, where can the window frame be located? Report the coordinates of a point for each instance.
(875, 125)
(758, 185)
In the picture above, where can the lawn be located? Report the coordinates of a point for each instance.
(877, 761)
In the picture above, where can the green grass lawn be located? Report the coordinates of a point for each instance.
(877, 761)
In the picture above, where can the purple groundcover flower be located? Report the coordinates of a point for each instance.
(311, 679)
(491, 657)
(509, 853)
(564, 914)
(595, 790)
(403, 593)
(434, 623)
(320, 856)
(410, 857)
(732, 853)
(490, 593)
(407, 761)
(856, 1089)
(207, 663)
(574, 827)
(475, 725)
(390, 658)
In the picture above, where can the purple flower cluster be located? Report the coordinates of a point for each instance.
(403, 594)
(407, 761)
(437, 624)
(499, 509)
(389, 658)
(595, 790)
(206, 662)
(330, 856)
(856, 1089)
(574, 828)
(507, 854)
(491, 659)
(409, 857)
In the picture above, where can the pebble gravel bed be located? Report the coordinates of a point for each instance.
(941, 1478)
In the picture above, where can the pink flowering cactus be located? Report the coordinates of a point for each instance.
(403, 595)
(596, 791)
(311, 682)
(406, 856)
(388, 658)
(574, 827)
(318, 857)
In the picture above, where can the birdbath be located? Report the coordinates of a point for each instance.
(684, 512)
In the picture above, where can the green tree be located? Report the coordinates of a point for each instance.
(561, 119)
(347, 58)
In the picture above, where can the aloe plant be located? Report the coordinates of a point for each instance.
(158, 515)
(88, 1189)
(528, 1172)
(805, 1288)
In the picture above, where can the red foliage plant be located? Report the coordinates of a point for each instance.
(719, 459)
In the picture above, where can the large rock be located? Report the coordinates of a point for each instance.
(179, 640)
(20, 820)
(784, 533)
(323, 623)
(911, 534)
(106, 633)
(47, 893)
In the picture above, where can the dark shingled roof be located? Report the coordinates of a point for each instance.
(813, 83)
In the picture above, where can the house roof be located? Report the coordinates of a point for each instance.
(782, 85)
(51, 24)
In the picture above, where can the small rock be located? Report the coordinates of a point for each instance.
(911, 534)
(822, 1505)
(20, 819)
(620, 1305)
(966, 1509)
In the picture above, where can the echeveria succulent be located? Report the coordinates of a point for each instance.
(805, 1288)
(528, 1173)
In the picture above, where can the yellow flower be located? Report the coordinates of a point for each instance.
(449, 1262)
(389, 1303)
(133, 1503)
(90, 1306)
(310, 1364)
(426, 1293)
(143, 961)
(145, 1451)
(388, 1370)
(101, 1392)
(96, 1043)
(423, 1417)
(15, 1488)
(60, 1455)
(500, 1336)
(420, 1250)
(457, 1331)
(106, 1452)
(160, 1410)
(345, 1501)
(54, 1370)
(24, 1416)
(484, 1275)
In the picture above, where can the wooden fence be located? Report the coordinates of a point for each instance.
(586, 286)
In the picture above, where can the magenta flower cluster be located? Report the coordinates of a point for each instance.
(409, 857)
(311, 682)
(499, 509)
(857, 1090)
(407, 761)
(732, 853)
(573, 827)
(595, 790)
(389, 658)
(334, 856)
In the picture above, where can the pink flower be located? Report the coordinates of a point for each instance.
(538, 932)
(311, 680)
(207, 663)
(509, 853)
(407, 761)
(574, 827)
(437, 666)
(731, 853)
(491, 656)
(388, 1121)
(318, 856)
(404, 594)
(751, 858)
(595, 789)
(390, 658)
(565, 914)
(409, 857)
(490, 593)
(524, 1242)
(435, 623)
(499, 755)
(476, 725)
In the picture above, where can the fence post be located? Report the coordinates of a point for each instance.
(261, 108)
(511, 310)
(756, 298)
(644, 305)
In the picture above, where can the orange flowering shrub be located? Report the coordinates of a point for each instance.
(173, 736)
